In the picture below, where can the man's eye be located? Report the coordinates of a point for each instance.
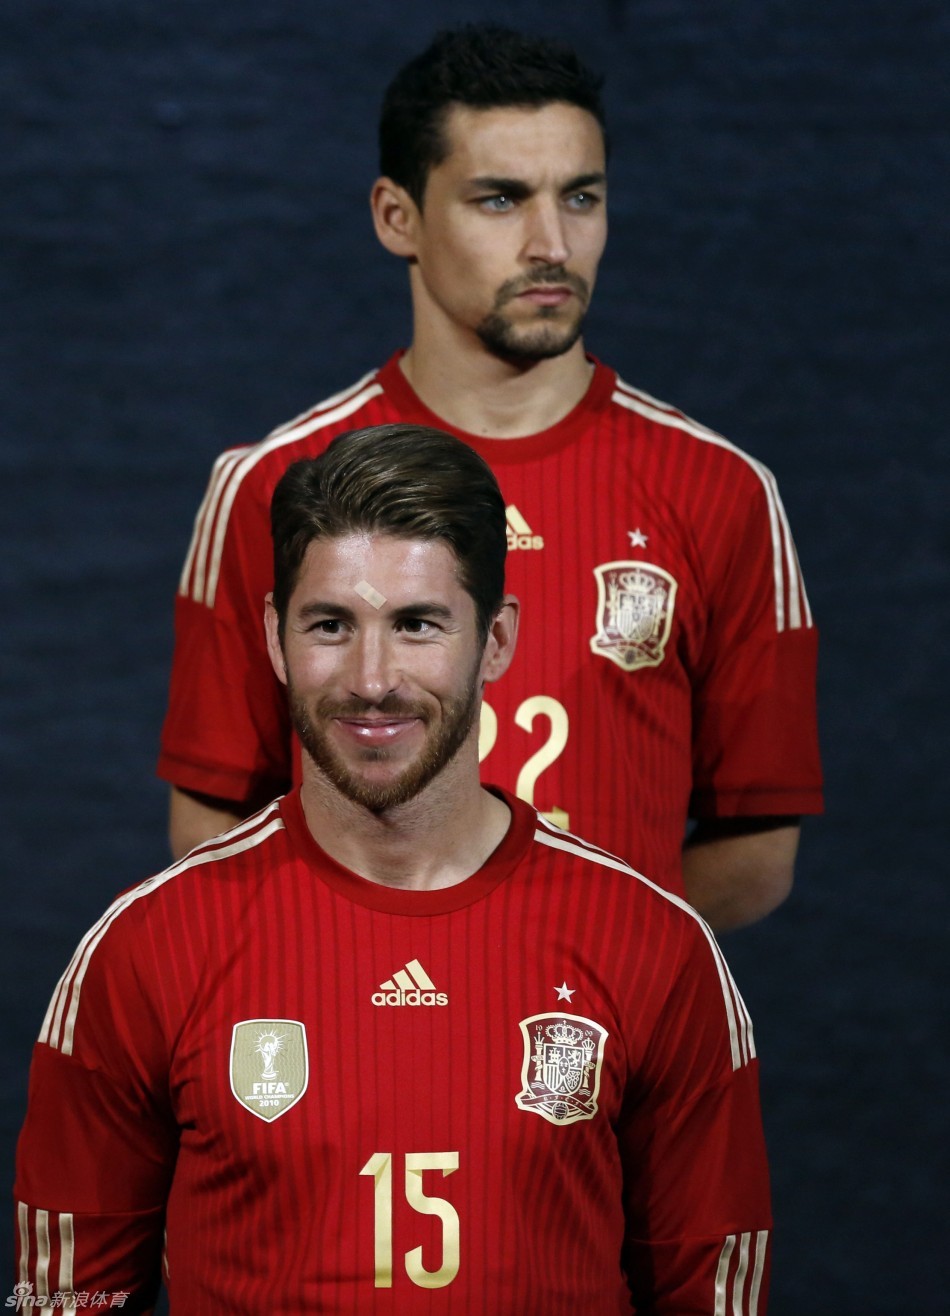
(416, 626)
(583, 200)
(327, 626)
(497, 204)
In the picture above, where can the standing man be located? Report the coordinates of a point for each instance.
(395, 1042)
(667, 668)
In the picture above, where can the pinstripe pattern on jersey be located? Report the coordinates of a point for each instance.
(60, 1022)
(792, 610)
(199, 577)
(732, 1297)
(741, 1041)
(50, 1234)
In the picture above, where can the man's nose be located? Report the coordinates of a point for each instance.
(372, 671)
(547, 239)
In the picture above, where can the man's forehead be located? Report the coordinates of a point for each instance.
(386, 573)
(375, 556)
(509, 139)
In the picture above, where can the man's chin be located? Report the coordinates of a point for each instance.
(382, 777)
(381, 794)
(376, 785)
(526, 346)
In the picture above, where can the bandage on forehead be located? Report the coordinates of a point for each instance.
(372, 596)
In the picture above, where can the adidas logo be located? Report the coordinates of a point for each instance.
(520, 534)
(409, 986)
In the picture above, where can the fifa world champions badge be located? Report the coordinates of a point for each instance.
(560, 1075)
(634, 613)
(269, 1065)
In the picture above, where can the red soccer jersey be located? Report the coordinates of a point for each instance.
(666, 661)
(529, 1094)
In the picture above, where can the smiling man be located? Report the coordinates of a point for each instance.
(396, 1042)
(385, 641)
(667, 665)
(408, 741)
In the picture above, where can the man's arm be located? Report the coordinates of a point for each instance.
(696, 1195)
(226, 737)
(98, 1147)
(756, 765)
(194, 819)
(93, 1170)
(737, 870)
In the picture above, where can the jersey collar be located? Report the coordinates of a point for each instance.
(500, 864)
(573, 426)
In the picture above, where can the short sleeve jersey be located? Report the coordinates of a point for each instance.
(530, 1094)
(666, 660)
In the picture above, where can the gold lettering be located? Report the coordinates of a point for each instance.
(543, 757)
(380, 1166)
(448, 1163)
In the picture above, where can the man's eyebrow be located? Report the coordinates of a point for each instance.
(340, 612)
(517, 187)
(596, 179)
(319, 608)
(437, 611)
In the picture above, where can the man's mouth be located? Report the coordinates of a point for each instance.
(383, 729)
(375, 727)
(546, 295)
(554, 287)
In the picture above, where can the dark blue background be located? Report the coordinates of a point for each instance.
(187, 260)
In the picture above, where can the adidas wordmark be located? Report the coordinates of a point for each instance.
(520, 534)
(409, 986)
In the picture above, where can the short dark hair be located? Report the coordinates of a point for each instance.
(483, 66)
(404, 480)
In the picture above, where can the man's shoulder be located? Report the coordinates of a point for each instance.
(639, 413)
(157, 938)
(633, 927)
(305, 435)
(561, 853)
(194, 883)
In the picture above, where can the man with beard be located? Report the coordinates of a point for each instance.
(667, 669)
(396, 1042)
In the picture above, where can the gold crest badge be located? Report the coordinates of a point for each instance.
(634, 613)
(270, 1067)
(560, 1076)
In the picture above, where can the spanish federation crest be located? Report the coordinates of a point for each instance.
(560, 1076)
(634, 613)
(269, 1065)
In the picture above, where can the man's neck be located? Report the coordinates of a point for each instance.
(436, 840)
(481, 393)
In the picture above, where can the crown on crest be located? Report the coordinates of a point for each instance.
(564, 1034)
(639, 582)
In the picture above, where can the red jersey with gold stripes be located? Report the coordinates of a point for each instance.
(666, 662)
(532, 1093)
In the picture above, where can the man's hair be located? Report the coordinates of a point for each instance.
(403, 480)
(482, 66)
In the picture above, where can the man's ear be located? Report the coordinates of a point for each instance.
(502, 639)
(395, 217)
(274, 647)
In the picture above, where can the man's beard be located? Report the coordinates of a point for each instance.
(539, 341)
(457, 721)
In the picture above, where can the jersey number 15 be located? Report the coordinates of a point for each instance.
(380, 1166)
